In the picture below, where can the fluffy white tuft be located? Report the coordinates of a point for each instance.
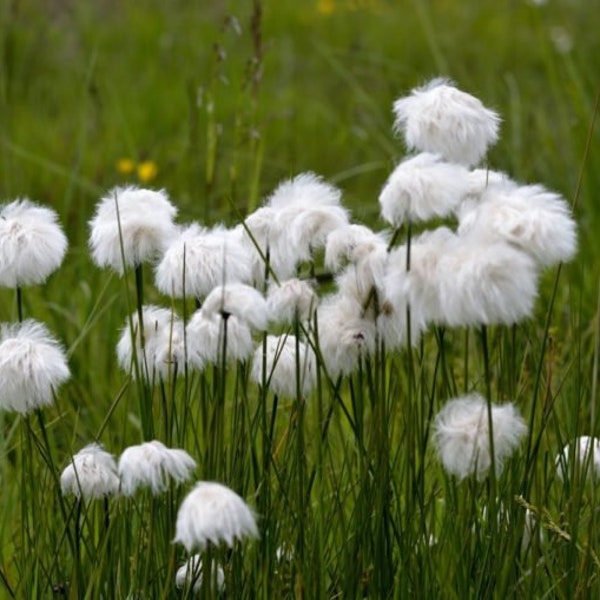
(423, 187)
(152, 464)
(163, 343)
(291, 299)
(351, 244)
(345, 334)
(202, 259)
(208, 335)
(417, 288)
(191, 574)
(32, 366)
(32, 243)
(136, 233)
(290, 365)
(440, 118)
(240, 300)
(462, 436)
(91, 474)
(486, 283)
(213, 513)
(581, 454)
(307, 189)
(530, 217)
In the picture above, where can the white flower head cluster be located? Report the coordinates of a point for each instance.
(32, 243)
(131, 226)
(92, 473)
(290, 300)
(191, 574)
(163, 347)
(440, 118)
(199, 259)
(32, 366)
(213, 513)
(294, 222)
(286, 365)
(151, 465)
(462, 435)
(581, 454)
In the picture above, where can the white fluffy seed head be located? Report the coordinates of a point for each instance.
(291, 299)
(32, 243)
(33, 365)
(213, 513)
(209, 335)
(580, 455)
(163, 343)
(92, 473)
(440, 118)
(290, 365)
(462, 436)
(152, 465)
(423, 187)
(345, 334)
(198, 260)
(191, 574)
(240, 300)
(486, 283)
(306, 189)
(135, 232)
(352, 244)
(530, 217)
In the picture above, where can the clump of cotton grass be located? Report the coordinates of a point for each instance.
(440, 118)
(345, 334)
(296, 220)
(131, 226)
(163, 342)
(462, 436)
(152, 465)
(581, 454)
(423, 187)
(290, 365)
(213, 513)
(290, 300)
(92, 474)
(33, 365)
(485, 283)
(200, 259)
(210, 337)
(529, 217)
(32, 243)
(191, 575)
(241, 301)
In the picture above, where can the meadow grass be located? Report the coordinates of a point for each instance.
(226, 99)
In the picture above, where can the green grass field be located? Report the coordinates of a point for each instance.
(217, 102)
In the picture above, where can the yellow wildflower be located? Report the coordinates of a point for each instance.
(125, 166)
(326, 7)
(147, 171)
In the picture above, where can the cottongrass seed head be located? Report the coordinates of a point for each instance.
(423, 187)
(240, 300)
(290, 300)
(210, 336)
(135, 233)
(290, 365)
(191, 574)
(213, 513)
(200, 259)
(92, 473)
(151, 465)
(580, 455)
(462, 436)
(32, 243)
(163, 347)
(32, 366)
(440, 118)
